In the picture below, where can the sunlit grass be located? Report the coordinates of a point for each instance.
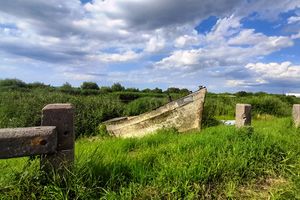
(222, 162)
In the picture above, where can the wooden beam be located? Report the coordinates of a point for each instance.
(18, 142)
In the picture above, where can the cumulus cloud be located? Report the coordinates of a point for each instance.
(281, 71)
(271, 74)
(155, 44)
(115, 57)
(228, 44)
(293, 19)
(89, 39)
(266, 9)
(187, 40)
(156, 13)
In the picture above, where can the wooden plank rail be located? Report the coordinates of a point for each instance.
(54, 140)
(18, 142)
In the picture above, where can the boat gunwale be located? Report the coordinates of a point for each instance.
(126, 119)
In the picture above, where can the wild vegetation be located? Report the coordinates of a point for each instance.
(221, 162)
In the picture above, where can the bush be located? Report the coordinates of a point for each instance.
(117, 87)
(12, 83)
(105, 89)
(89, 85)
(143, 105)
(132, 90)
(173, 90)
(270, 105)
(37, 85)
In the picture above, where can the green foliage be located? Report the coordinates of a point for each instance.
(23, 109)
(116, 87)
(224, 104)
(243, 94)
(132, 90)
(173, 90)
(89, 86)
(105, 89)
(157, 90)
(185, 91)
(102, 130)
(270, 105)
(37, 85)
(12, 83)
(147, 90)
(221, 162)
(143, 105)
(67, 88)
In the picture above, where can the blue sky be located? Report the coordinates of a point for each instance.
(226, 45)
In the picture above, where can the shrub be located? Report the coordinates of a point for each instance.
(89, 85)
(173, 90)
(12, 83)
(105, 89)
(117, 87)
(37, 85)
(143, 105)
(132, 89)
(270, 105)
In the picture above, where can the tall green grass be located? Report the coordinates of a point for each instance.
(20, 108)
(221, 162)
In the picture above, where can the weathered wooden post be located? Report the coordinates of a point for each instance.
(61, 116)
(242, 115)
(296, 115)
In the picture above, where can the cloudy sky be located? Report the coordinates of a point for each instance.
(226, 45)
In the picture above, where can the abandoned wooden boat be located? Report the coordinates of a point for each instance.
(184, 114)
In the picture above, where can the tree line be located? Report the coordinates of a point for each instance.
(88, 86)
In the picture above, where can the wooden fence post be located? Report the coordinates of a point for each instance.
(61, 116)
(296, 115)
(242, 115)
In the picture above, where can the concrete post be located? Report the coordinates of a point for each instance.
(242, 115)
(296, 115)
(61, 116)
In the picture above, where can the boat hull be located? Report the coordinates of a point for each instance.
(184, 114)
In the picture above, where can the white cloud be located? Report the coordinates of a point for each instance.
(293, 19)
(98, 35)
(245, 83)
(180, 59)
(285, 74)
(155, 44)
(187, 40)
(280, 71)
(79, 77)
(266, 9)
(115, 57)
(228, 44)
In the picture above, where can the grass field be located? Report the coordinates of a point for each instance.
(221, 162)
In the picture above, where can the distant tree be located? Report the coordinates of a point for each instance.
(116, 87)
(156, 90)
(37, 85)
(105, 89)
(242, 94)
(132, 89)
(147, 90)
(89, 85)
(14, 83)
(185, 91)
(173, 90)
(66, 86)
(260, 94)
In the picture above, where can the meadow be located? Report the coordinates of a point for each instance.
(220, 162)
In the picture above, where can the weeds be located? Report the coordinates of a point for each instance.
(216, 163)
